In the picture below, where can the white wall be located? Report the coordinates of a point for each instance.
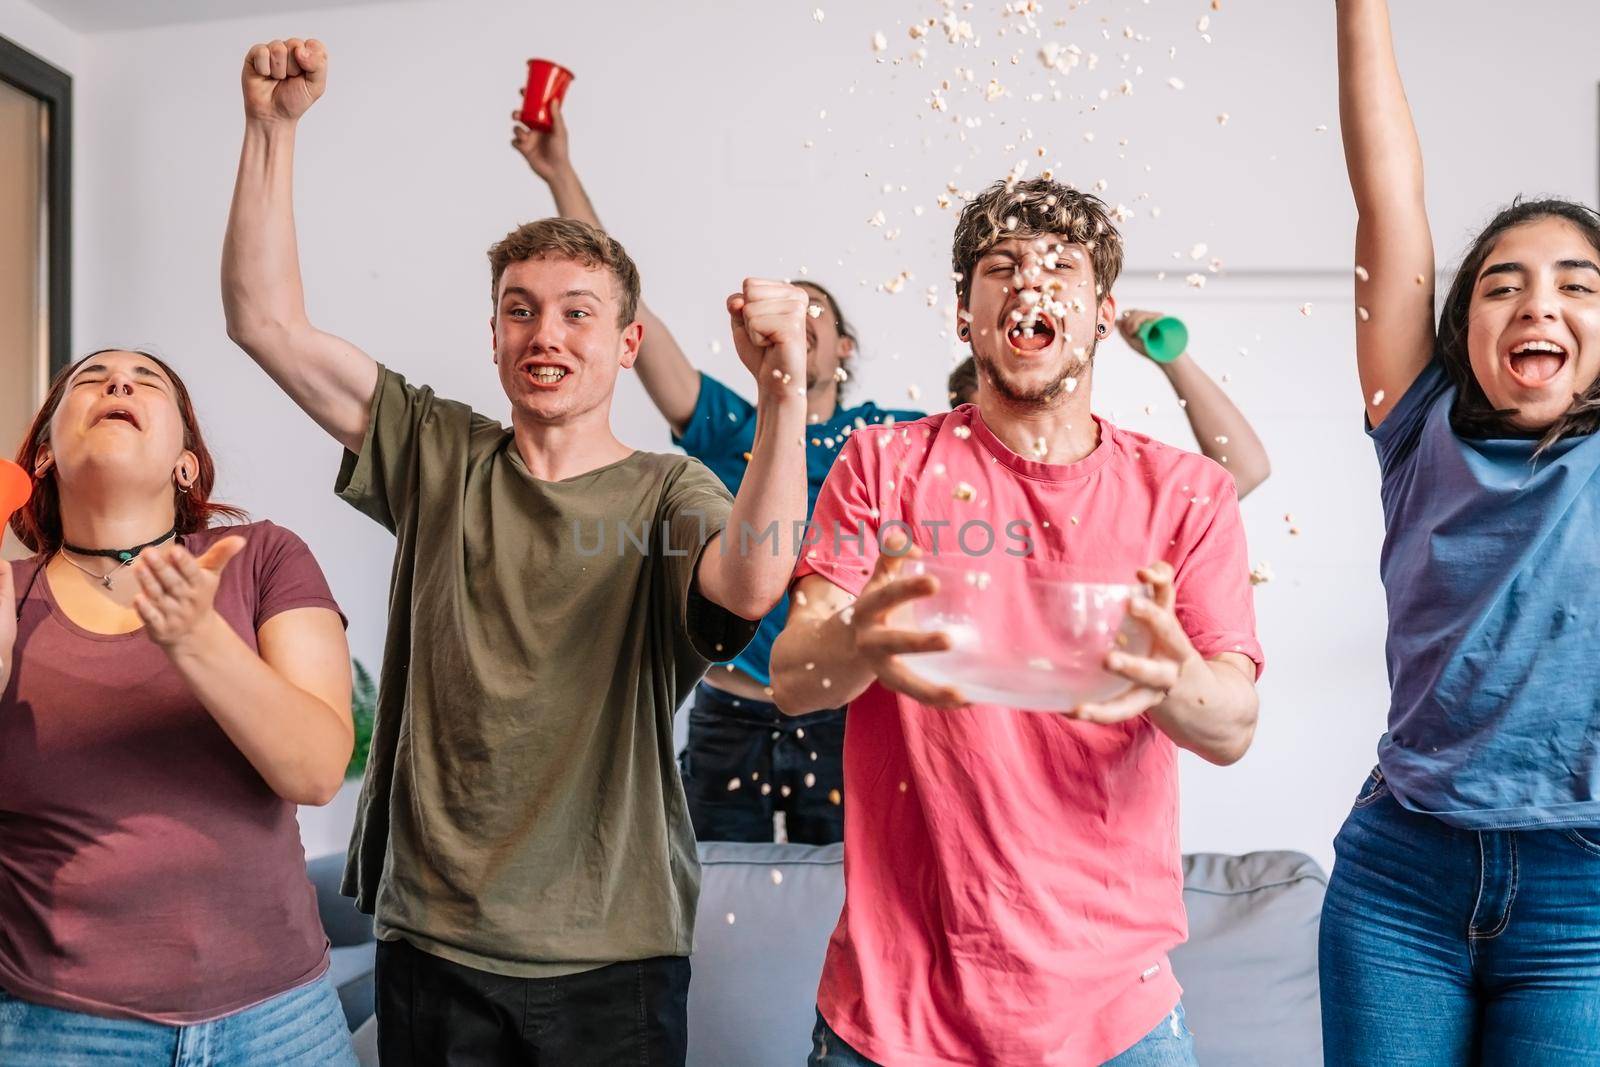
(39, 33)
(689, 124)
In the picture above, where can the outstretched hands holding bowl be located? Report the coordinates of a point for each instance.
(1172, 670)
(1166, 674)
(880, 643)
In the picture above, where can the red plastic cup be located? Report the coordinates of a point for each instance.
(15, 489)
(547, 83)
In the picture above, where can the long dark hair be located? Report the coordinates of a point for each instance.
(1473, 415)
(37, 523)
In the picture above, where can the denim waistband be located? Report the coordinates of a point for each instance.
(708, 699)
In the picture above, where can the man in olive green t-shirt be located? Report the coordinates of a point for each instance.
(523, 839)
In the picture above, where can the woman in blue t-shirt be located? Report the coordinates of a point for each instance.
(1462, 922)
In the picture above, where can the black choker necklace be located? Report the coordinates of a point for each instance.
(121, 555)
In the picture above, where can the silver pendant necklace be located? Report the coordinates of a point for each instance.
(123, 556)
(103, 579)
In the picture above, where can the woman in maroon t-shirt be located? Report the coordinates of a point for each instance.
(169, 692)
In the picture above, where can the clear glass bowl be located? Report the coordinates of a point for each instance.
(1022, 642)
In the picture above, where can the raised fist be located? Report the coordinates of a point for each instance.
(769, 330)
(284, 78)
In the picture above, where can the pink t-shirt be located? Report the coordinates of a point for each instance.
(146, 869)
(1012, 879)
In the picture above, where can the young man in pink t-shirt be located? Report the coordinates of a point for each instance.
(1012, 879)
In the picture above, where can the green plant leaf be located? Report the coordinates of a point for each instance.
(363, 712)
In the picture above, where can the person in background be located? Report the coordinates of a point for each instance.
(962, 384)
(744, 762)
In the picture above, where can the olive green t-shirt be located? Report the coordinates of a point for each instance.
(522, 811)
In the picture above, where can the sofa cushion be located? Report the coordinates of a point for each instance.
(350, 970)
(341, 920)
(753, 995)
(351, 935)
(365, 1041)
(1249, 970)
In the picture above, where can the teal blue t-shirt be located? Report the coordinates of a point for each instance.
(1491, 559)
(720, 434)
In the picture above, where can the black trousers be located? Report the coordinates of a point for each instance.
(793, 765)
(434, 1013)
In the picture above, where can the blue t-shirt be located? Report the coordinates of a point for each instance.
(720, 434)
(1490, 563)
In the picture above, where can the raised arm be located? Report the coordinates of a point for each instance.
(669, 378)
(768, 324)
(1220, 428)
(329, 378)
(1394, 248)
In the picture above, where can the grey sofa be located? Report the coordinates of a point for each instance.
(1249, 969)
(350, 933)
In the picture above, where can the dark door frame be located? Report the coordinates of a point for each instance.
(53, 88)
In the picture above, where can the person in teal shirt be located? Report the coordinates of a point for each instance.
(745, 763)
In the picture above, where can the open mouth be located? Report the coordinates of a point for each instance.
(1534, 363)
(547, 375)
(118, 415)
(1033, 334)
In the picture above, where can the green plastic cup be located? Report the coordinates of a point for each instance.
(1164, 339)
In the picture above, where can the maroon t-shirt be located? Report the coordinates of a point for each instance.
(146, 869)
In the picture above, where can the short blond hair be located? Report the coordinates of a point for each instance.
(567, 239)
(1037, 207)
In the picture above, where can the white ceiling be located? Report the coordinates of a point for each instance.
(97, 16)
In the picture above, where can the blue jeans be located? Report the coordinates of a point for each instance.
(1444, 946)
(793, 765)
(304, 1027)
(1169, 1045)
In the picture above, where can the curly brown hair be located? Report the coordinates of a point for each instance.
(567, 239)
(1037, 207)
